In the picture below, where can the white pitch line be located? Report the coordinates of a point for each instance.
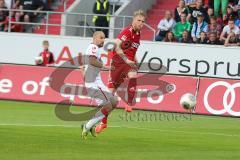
(38, 125)
(178, 131)
(147, 129)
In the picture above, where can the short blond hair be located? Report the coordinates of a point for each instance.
(139, 13)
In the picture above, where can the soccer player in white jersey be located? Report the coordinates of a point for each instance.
(95, 86)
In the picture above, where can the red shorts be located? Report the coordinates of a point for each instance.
(119, 73)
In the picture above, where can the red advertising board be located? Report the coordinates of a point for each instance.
(218, 97)
(31, 83)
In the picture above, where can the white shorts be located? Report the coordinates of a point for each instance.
(99, 92)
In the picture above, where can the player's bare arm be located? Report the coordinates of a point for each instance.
(121, 53)
(80, 62)
(96, 63)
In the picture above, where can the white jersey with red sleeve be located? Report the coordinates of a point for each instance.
(92, 73)
(130, 42)
(96, 89)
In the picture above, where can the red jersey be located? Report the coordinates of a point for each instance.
(47, 58)
(130, 42)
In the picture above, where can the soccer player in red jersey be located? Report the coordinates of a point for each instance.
(124, 62)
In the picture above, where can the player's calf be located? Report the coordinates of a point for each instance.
(103, 125)
(131, 91)
(132, 85)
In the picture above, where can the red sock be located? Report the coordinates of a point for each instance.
(131, 89)
(105, 112)
(104, 120)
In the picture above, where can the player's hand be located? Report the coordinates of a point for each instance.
(131, 63)
(112, 67)
(108, 67)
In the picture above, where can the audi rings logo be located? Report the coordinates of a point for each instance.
(227, 107)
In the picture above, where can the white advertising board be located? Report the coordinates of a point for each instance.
(185, 59)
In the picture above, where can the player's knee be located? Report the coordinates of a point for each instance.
(133, 77)
(114, 101)
(132, 74)
(108, 107)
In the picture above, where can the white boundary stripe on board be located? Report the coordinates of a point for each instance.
(138, 128)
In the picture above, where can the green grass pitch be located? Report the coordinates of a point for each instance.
(31, 131)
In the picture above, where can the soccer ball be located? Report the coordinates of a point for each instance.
(188, 101)
(39, 60)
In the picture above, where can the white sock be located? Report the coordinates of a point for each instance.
(96, 119)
